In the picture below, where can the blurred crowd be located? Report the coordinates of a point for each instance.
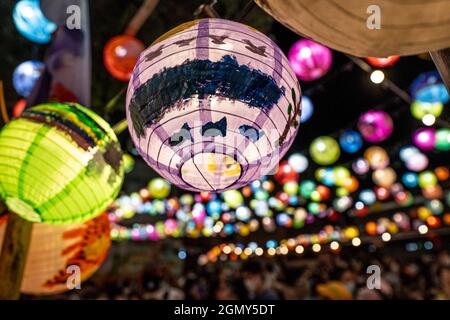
(360, 276)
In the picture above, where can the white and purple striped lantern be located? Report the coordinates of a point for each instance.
(213, 105)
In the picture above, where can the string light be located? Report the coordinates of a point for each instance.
(356, 242)
(377, 76)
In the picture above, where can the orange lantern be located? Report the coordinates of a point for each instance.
(442, 173)
(120, 56)
(371, 228)
(55, 248)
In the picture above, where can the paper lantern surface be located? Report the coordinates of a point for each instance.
(351, 26)
(31, 22)
(121, 54)
(213, 105)
(59, 163)
(54, 250)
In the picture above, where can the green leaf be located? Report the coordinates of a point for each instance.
(289, 109)
(294, 96)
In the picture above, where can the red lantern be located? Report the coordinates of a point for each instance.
(324, 192)
(19, 107)
(120, 56)
(382, 62)
(285, 173)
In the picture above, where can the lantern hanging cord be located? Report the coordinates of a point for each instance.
(5, 116)
(242, 14)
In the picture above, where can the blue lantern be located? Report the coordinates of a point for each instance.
(307, 109)
(367, 196)
(350, 141)
(26, 75)
(31, 22)
(410, 179)
(428, 87)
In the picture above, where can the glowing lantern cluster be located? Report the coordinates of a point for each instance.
(213, 105)
(85, 172)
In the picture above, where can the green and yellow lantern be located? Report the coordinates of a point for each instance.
(59, 164)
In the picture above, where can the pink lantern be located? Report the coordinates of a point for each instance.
(310, 60)
(213, 105)
(417, 162)
(375, 126)
(425, 138)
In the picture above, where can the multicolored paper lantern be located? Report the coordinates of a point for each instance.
(375, 126)
(31, 22)
(59, 163)
(56, 251)
(324, 150)
(120, 56)
(429, 87)
(26, 75)
(213, 105)
(310, 60)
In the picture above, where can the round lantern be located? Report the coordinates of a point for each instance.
(375, 125)
(213, 105)
(384, 177)
(59, 163)
(26, 75)
(382, 62)
(442, 139)
(324, 150)
(417, 162)
(410, 179)
(377, 157)
(310, 60)
(298, 162)
(350, 141)
(31, 22)
(55, 250)
(365, 28)
(307, 109)
(120, 56)
(407, 152)
(429, 87)
(421, 109)
(425, 138)
(159, 188)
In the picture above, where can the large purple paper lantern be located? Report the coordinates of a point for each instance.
(213, 105)
(375, 126)
(310, 60)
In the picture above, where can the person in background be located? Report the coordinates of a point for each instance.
(255, 281)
